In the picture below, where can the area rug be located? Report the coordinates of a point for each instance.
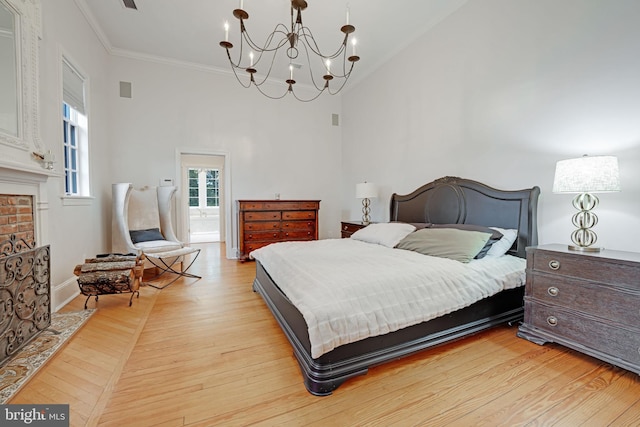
(18, 370)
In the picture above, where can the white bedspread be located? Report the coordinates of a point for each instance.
(348, 290)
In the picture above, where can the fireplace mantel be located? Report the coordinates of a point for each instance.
(21, 179)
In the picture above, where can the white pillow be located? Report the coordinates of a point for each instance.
(501, 247)
(386, 234)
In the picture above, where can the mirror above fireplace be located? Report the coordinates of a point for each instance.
(20, 29)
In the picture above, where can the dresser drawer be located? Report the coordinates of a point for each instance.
(615, 340)
(298, 215)
(351, 227)
(273, 236)
(291, 205)
(251, 206)
(587, 268)
(252, 246)
(262, 225)
(261, 216)
(299, 225)
(596, 299)
(348, 228)
(298, 235)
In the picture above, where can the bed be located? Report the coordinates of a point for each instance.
(448, 200)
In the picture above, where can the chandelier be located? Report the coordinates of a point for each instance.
(297, 43)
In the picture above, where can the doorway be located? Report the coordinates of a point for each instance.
(204, 205)
(203, 202)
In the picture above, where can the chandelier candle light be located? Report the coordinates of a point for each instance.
(585, 176)
(366, 191)
(293, 40)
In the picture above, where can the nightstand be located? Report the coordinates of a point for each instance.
(349, 227)
(589, 302)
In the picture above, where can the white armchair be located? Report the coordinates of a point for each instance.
(144, 214)
(141, 224)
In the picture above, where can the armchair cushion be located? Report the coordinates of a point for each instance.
(153, 246)
(147, 235)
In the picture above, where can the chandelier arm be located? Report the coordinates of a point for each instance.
(273, 59)
(272, 97)
(266, 48)
(272, 51)
(235, 73)
(306, 100)
(304, 33)
(344, 82)
(313, 80)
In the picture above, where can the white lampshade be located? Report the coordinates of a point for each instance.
(587, 174)
(366, 190)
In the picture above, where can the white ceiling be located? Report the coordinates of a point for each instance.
(189, 31)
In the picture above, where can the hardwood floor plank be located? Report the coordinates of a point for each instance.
(208, 352)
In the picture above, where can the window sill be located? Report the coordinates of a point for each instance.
(77, 200)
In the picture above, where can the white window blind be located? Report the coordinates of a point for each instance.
(73, 88)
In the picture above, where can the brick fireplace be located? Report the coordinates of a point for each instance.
(24, 203)
(16, 217)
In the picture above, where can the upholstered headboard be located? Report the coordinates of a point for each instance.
(452, 200)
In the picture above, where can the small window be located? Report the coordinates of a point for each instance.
(75, 132)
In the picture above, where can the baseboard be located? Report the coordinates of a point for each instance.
(63, 293)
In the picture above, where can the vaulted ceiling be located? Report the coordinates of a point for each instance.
(189, 31)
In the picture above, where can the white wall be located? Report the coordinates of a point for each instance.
(498, 92)
(275, 146)
(75, 232)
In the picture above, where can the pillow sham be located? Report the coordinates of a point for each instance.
(147, 235)
(459, 245)
(504, 244)
(384, 233)
(495, 235)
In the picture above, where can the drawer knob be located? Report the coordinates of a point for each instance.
(554, 264)
(553, 291)
(552, 320)
(345, 227)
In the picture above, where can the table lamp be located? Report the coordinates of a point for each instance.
(365, 191)
(586, 175)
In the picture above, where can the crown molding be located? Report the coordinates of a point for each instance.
(95, 26)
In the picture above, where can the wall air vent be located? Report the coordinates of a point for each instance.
(130, 4)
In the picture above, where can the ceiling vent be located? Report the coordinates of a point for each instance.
(130, 4)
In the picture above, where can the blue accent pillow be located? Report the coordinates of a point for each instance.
(147, 235)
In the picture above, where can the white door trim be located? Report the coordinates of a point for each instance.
(183, 210)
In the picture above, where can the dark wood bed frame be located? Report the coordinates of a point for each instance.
(447, 200)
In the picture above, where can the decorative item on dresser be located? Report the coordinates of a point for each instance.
(347, 228)
(586, 176)
(365, 191)
(261, 222)
(586, 301)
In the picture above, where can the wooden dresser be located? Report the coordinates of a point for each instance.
(261, 222)
(589, 302)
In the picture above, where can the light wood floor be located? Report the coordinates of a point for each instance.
(208, 352)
